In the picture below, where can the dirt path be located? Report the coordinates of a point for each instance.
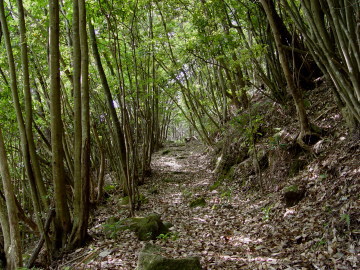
(233, 230)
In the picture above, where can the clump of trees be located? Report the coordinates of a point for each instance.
(93, 87)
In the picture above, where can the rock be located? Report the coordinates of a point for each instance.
(165, 152)
(151, 258)
(154, 191)
(190, 139)
(147, 228)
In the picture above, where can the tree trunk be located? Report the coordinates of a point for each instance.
(82, 127)
(13, 251)
(120, 139)
(28, 107)
(294, 91)
(27, 147)
(62, 218)
(329, 29)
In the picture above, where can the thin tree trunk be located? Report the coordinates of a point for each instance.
(77, 118)
(118, 130)
(28, 107)
(30, 159)
(101, 174)
(85, 123)
(294, 91)
(5, 227)
(13, 251)
(82, 126)
(62, 218)
(29, 127)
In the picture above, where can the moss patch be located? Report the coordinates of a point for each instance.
(150, 258)
(199, 202)
(146, 228)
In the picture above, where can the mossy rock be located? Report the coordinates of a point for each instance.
(147, 228)
(165, 152)
(150, 258)
(111, 227)
(199, 202)
(153, 190)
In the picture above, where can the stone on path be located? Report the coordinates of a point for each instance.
(151, 258)
(147, 228)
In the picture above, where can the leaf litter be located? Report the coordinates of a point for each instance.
(238, 230)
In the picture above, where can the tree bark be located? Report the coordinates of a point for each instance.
(82, 127)
(62, 218)
(13, 251)
(27, 148)
(28, 107)
(294, 91)
(110, 102)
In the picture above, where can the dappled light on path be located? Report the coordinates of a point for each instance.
(215, 221)
(213, 231)
(170, 162)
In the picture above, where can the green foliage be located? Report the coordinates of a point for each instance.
(249, 126)
(346, 218)
(328, 209)
(109, 188)
(275, 140)
(112, 227)
(319, 243)
(226, 194)
(143, 199)
(293, 188)
(186, 194)
(215, 185)
(169, 180)
(168, 236)
(124, 200)
(266, 211)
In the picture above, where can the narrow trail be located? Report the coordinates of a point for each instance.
(212, 232)
(180, 175)
(233, 230)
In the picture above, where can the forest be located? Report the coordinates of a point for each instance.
(179, 134)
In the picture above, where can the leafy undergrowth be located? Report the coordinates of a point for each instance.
(232, 224)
